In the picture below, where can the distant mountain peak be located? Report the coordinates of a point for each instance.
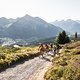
(27, 16)
(68, 25)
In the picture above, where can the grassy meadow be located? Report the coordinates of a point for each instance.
(66, 66)
(11, 55)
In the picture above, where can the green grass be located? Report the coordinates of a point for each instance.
(66, 66)
(10, 55)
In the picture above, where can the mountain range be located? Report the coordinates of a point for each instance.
(31, 29)
(68, 25)
(27, 27)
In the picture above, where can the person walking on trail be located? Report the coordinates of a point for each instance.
(51, 52)
(54, 49)
(57, 48)
(51, 47)
(46, 48)
(41, 49)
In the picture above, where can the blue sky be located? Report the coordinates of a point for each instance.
(49, 10)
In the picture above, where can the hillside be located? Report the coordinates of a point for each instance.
(68, 25)
(45, 40)
(66, 65)
(22, 63)
(4, 22)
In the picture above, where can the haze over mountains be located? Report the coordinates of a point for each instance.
(68, 25)
(27, 27)
(34, 28)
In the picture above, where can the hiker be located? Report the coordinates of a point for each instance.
(51, 51)
(51, 47)
(57, 48)
(54, 49)
(41, 49)
(47, 48)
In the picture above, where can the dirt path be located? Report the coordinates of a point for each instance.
(33, 69)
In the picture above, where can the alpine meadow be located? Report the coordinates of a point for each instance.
(39, 40)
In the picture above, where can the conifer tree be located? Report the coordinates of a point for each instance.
(62, 38)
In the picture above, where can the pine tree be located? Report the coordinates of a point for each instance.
(59, 38)
(62, 38)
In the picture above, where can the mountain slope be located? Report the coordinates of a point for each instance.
(32, 27)
(66, 65)
(68, 25)
(4, 21)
